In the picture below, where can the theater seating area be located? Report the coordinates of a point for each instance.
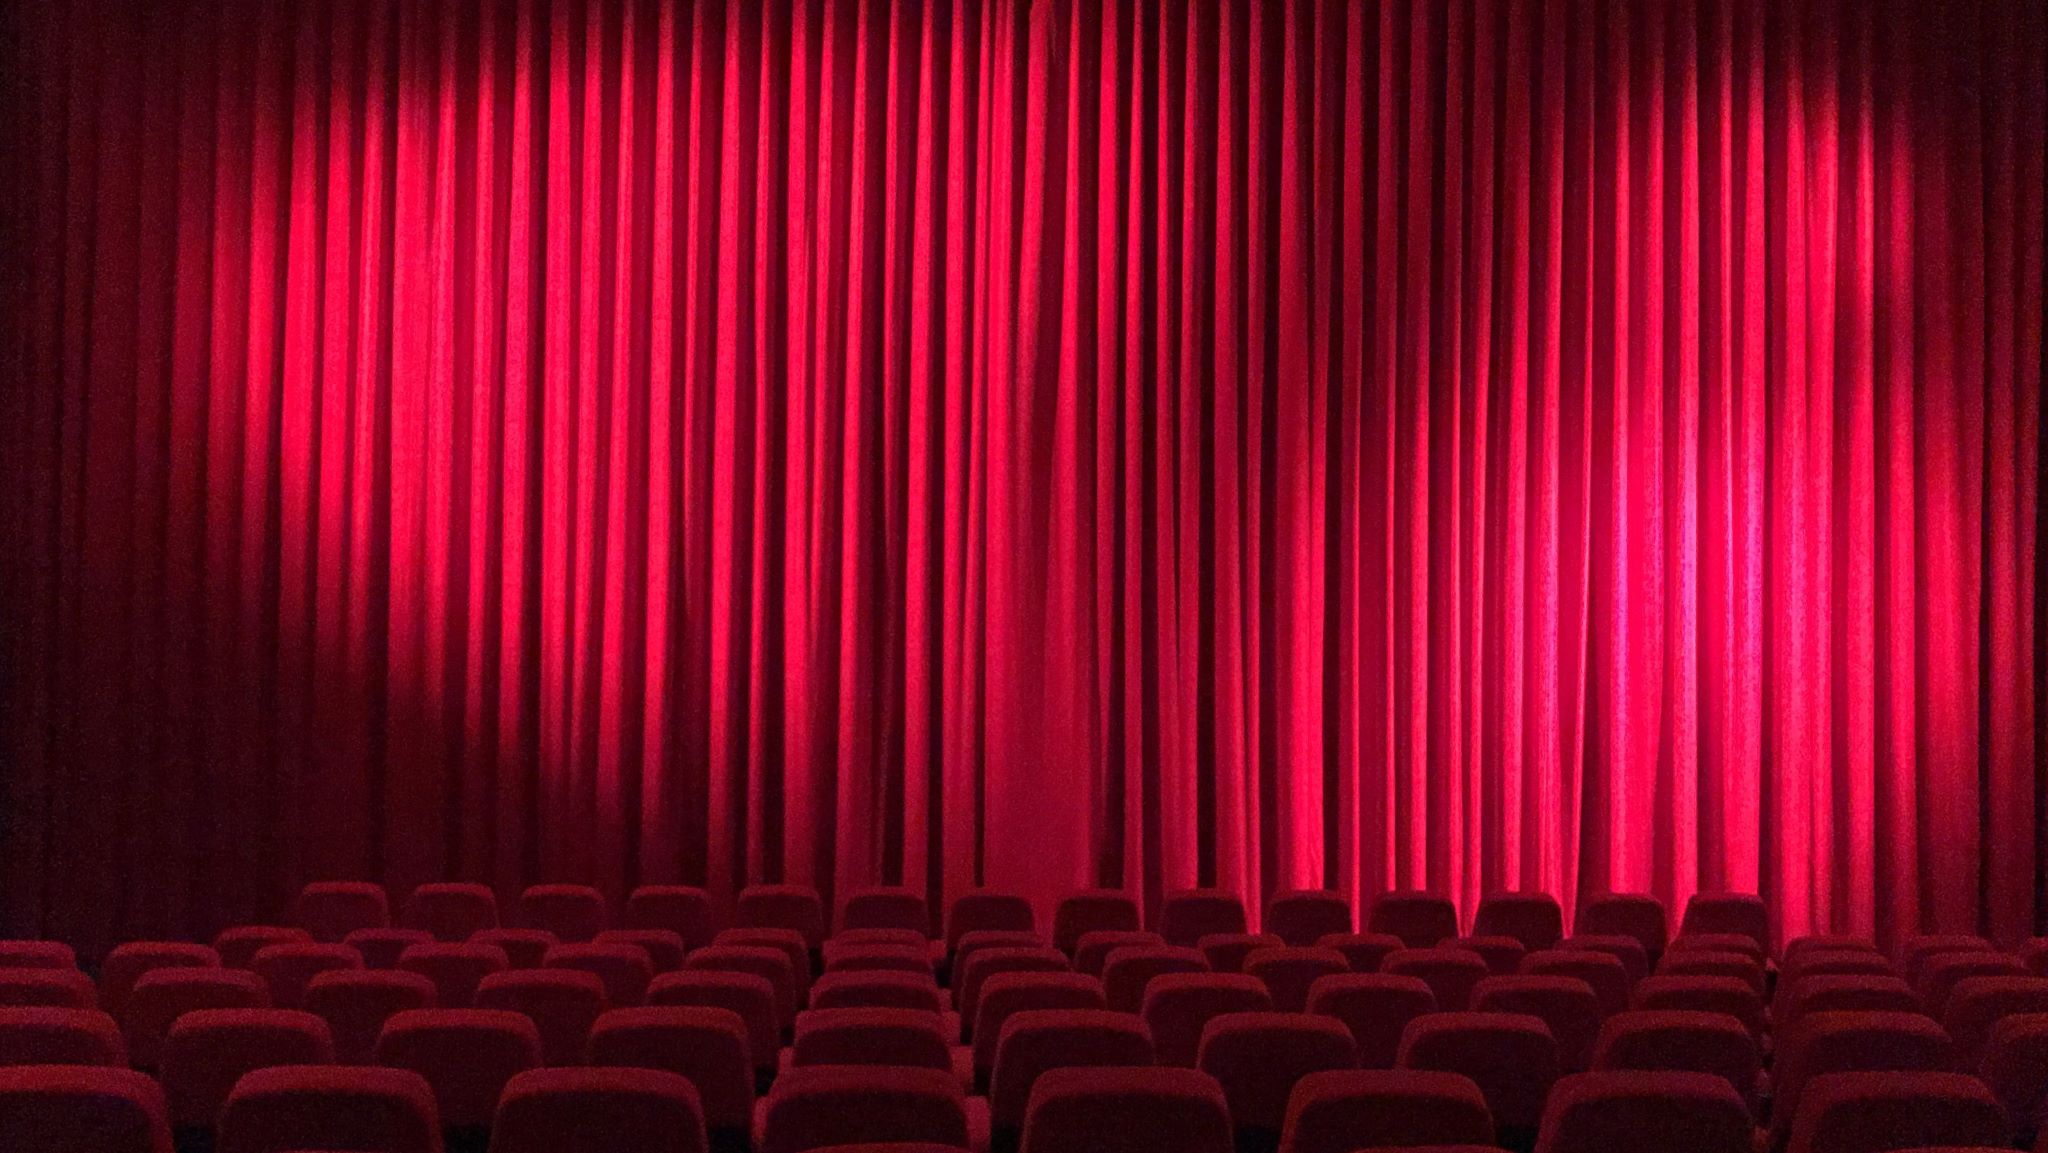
(563, 1023)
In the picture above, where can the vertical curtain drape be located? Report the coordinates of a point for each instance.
(1473, 444)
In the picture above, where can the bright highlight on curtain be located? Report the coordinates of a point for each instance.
(1466, 443)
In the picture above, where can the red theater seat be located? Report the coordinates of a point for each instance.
(1917, 950)
(886, 907)
(839, 1104)
(1450, 973)
(1502, 955)
(467, 1055)
(1126, 1111)
(1006, 994)
(795, 907)
(37, 955)
(1621, 1112)
(1605, 972)
(1706, 963)
(1741, 943)
(455, 970)
(52, 1035)
(1742, 913)
(451, 910)
(304, 1107)
(1343, 1110)
(1675, 1041)
(1258, 1058)
(1303, 917)
(1364, 952)
(905, 1037)
(1534, 919)
(2034, 955)
(1566, 1004)
(565, 1110)
(524, 948)
(1977, 1004)
(1038, 1040)
(355, 1003)
(625, 969)
(381, 948)
(1879, 1112)
(59, 988)
(1422, 920)
(709, 1046)
(573, 913)
(331, 910)
(1823, 1043)
(1226, 951)
(1375, 1007)
(1940, 975)
(238, 946)
(1092, 911)
(1092, 951)
(1832, 942)
(1510, 1056)
(1703, 995)
(1636, 915)
(1177, 1006)
(664, 947)
(789, 942)
(164, 995)
(856, 939)
(128, 962)
(1862, 993)
(770, 964)
(289, 967)
(876, 989)
(210, 1049)
(988, 910)
(684, 910)
(976, 940)
(901, 958)
(1188, 915)
(1127, 972)
(971, 972)
(1812, 963)
(562, 1003)
(1626, 949)
(748, 996)
(1288, 972)
(2015, 1068)
(81, 1109)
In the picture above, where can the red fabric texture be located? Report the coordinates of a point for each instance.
(1449, 444)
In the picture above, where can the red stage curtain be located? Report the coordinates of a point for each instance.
(1565, 444)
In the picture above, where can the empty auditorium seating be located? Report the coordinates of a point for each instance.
(1741, 943)
(1092, 911)
(1703, 995)
(1375, 1007)
(1258, 1057)
(524, 948)
(466, 1055)
(840, 1104)
(1177, 1006)
(625, 969)
(664, 947)
(82, 1109)
(1822, 1043)
(55, 1035)
(1915, 951)
(1188, 915)
(1742, 913)
(790, 942)
(876, 988)
(1671, 1040)
(795, 907)
(1450, 973)
(127, 962)
(905, 1037)
(1092, 951)
(381, 948)
(1502, 955)
(988, 910)
(1636, 915)
(1566, 1004)
(1127, 971)
(1422, 920)
(1977, 1004)
(562, 1003)
(975, 940)
(161, 996)
(456, 970)
(1342, 1110)
(1833, 993)
(208, 1050)
(288, 967)
(16, 954)
(900, 957)
(856, 939)
(239, 944)
(1131, 1110)
(1534, 919)
(450, 910)
(1829, 941)
(2015, 1068)
(970, 974)
(305, 1107)
(1005, 994)
(1713, 963)
(768, 963)
(1363, 952)
(1605, 972)
(1510, 1056)
(1876, 1112)
(749, 996)
(573, 913)
(1226, 951)
(355, 1003)
(1036, 1040)
(62, 988)
(709, 1046)
(331, 910)
(1306, 916)
(684, 910)
(554, 1110)
(885, 907)
(1940, 975)
(1620, 1112)
(1289, 971)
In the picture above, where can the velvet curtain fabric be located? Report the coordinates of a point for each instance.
(1475, 444)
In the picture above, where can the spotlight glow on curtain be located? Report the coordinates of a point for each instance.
(1466, 443)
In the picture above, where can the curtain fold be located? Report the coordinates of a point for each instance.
(1469, 444)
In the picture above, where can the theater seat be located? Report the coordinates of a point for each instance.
(1450, 973)
(876, 989)
(904, 1037)
(1132, 1110)
(1741, 943)
(331, 910)
(747, 995)
(381, 948)
(846, 939)
(1823, 1043)
(467, 1055)
(1566, 1004)
(840, 1104)
(772, 965)
(790, 942)
(451, 910)
(795, 907)
(1006, 994)
(1422, 920)
(524, 948)
(1832, 942)
(1177, 1006)
(1604, 972)
(1188, 915)
(355, 1003)
(287, 968)
(1343, 1110)
(1502, 955)
(1742, 913)
(976, 940)
(1288, 972)
(664, 947)
(684, 910)
(1364, 952)
(562, 1003)
(1037, 1040)
(1977, 1004)
(1940, 976)
(576, 1110)
(573, 913)
(1533, 919)
(1092, 911)
(1375, 1007)
(857, 957)
(1226, 951)
(82, 1109)
(37, 955)
(1844, 993)
(886, 907)
(1127, 972)
(988, 910)
(971, 972)
(1617, 1112)
(625, 969)
(238, 945)
(1092, 951)
(1304, 917)
(129, 961)
(455, 970)
(57, 988)
(2015, 1069)
(1258, 1057)
(1637, 915)
(1880, 1112)
(1675, 1041)
(1510, 1056)
(709, 1046)
(1728, 995)
(306, 1107)
(1915, 951)
(54, 1035)
(1635, 962)
(163, 995)
(208, 1050)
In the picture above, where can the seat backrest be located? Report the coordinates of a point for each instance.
(467, 1055)
(1364, 952)
(1916, 950)
(1877, 1112)
(524, 948)
(978, 967)
(768, 963)
(1843, 992)
(58, 1035)
(1177, 1006)
(991, 910)
(1977, 1004)
(1092, 911)
(563, 1110)
(82, 1109)
(1188, 915)
(1092, 951)
(161, 996)
(1005, 994)
(331, 910)
(856, 939)
(625, 969)
(665, 948)
(1511, 1056)
(238, 945)
(1605, 1111)
(1036, 1040)
(1710, 963)
(456, 970)
(1940, 976)
(573, 913)
(1450, 973)
(1821, 1043)
(848, 1104)
(1126, 972)
(329, 1106)
(876, 989)
(1566, 1004)
(1305, 916)
(1502, 955)
(1128, 1110)
(1289, 971)
(908, 1037)
(1534, 919)
(886, 907)
(30, 954)
(1342, 1110)
(1635, 962)
(380, 948)
(684, 910)
(1422, 920)
(1376, 1007)
(1226, 951)
(355, 1003)
(1257, 1058)
(288, 967)
(450, 910)
(63, 988)
(1833, 942)
(129, 961)
(1637, 915)
(1741, 943)
(1605, 972)
(795, 907)
(1742, 913)
(2015, 1067)
(856, 957)
(790, 942)
(562, 1003)
(208, 1050)
(708, 1045)
(1677, 1041)
(748, 995)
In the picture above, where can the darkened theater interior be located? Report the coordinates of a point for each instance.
(1023, 576)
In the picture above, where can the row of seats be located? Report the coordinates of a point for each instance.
(993, 1010)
